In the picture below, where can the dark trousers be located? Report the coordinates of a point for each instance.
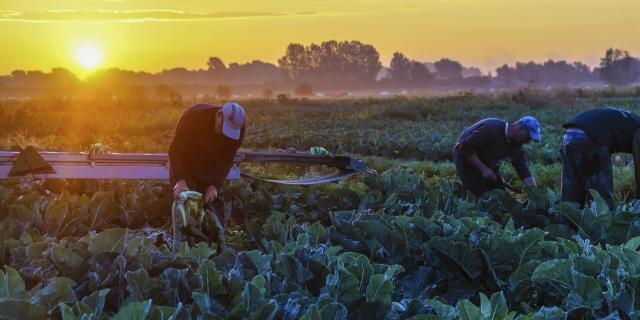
(585, 165)
(472, 179)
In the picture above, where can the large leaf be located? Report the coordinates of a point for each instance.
(468, 311)
(442, 309)
(333, 311)
(379, 289)
(11, 308)
(58, 290)
(343, 286)
(586, 293)
(110, 240)
(134, 311)
(140, 285)
(252, 297)
(11, 284)
(210, 279)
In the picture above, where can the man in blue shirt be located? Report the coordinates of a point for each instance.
(480, 148)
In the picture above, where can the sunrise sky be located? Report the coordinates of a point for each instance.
(152, 35)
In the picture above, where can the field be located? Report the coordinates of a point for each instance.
(405, 243)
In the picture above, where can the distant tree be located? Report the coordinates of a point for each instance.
(399, 68)
(223, 92)
(63, 77)
(549, 73)
(267, 93)
(448, 69)
(403, 71)
(418, 73)
(18, 73)
(529, 72)
(295, 62)
(505, 74)
(304, 89)
(618, 68)
(216, 64)
(331, 62)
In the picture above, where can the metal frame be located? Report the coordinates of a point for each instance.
(154, 166)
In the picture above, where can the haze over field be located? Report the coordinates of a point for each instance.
(153, 35)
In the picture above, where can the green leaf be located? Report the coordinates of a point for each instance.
(21, 309)
(379, 289)
(357, 264)
(468, 311)
(392, 270)
(11, 283)
(66, 312)
(134, 311)
(201, 251)
(343, 286)
(208, 305)
(550, 313)
(587, 293)
(66, 258)
(333, 311)
(317, 233)
(312, 313)
(210, 279)
(96, 301)
(633, 243)
(556, 272)
(499, 308)
(110, 240)
(261, 262)
(140, 285)
(599, 206)
(59, 289)
(520, 280)
(252, 297)
(442, 309)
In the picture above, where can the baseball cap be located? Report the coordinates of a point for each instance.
(533, 126)
(233, 117)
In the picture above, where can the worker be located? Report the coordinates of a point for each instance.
(590, 140)
(481, 147)
(201, 154)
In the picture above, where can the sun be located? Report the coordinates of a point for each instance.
(89, 57)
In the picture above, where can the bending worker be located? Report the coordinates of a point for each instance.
(481, 147)
(206, 140)
(591, 138)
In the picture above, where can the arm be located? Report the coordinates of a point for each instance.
(519, 162)
(468, 150)
(180, 145)
(487, 172)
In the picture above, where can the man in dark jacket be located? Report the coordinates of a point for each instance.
(206, 140)
(588, 143)
(483, 145)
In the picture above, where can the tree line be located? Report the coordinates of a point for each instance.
(346, 65)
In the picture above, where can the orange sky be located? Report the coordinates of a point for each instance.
(153, 35)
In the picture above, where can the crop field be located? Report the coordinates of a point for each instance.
(402, 243)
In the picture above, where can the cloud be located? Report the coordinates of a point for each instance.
(66, 15)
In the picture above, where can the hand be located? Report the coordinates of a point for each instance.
(179, 187)
(211, 194)
(487, 173)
